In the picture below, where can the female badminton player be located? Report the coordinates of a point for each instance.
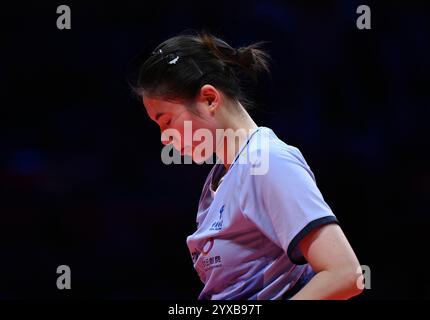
(265, 234)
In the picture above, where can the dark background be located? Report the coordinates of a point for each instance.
(82, 182)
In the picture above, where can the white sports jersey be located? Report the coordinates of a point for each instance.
(246, 242)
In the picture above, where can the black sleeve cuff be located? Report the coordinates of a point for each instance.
(293, 251)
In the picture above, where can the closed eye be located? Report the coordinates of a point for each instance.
(161, 119)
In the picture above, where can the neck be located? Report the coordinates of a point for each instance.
(237, 127)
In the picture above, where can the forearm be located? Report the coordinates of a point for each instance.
(327, 285)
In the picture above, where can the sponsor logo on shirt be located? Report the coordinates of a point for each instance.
(212, 262)
(208, 246)
(217, 225)
(206, 263)
(195, 256)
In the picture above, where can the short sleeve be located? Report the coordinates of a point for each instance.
(285, 202)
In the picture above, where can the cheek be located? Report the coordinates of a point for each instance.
(202, 131)
(186, 124)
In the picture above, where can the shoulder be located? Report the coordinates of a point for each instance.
(266, 154)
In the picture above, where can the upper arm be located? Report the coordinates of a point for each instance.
(327, 248)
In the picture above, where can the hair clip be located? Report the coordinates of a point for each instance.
(159, 51)
(174, 59)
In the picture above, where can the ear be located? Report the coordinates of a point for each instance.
(210, 96)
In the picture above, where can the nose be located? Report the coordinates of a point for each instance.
(166, 139)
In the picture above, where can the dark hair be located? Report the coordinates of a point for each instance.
(179, 66)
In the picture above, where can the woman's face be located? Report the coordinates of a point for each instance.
(172, 115)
